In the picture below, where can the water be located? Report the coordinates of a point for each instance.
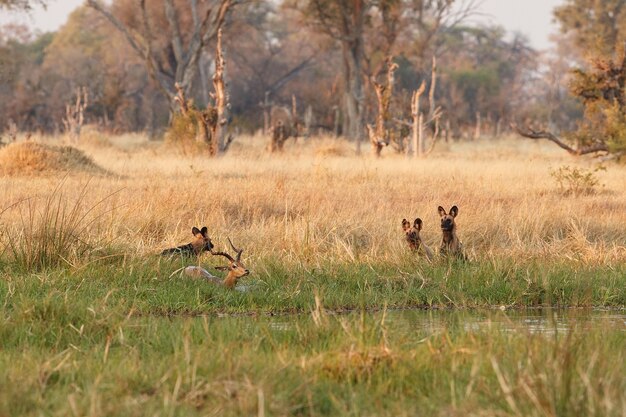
(532, 321)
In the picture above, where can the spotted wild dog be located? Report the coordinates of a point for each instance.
(201, 243)
(412, 235)
(451, 245)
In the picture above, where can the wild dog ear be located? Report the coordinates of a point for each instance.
(204, 231)
(405, 225)
(454, 211)
(442, 211)
(418, 224)
(195, 231)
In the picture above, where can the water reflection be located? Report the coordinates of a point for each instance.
(534, 321)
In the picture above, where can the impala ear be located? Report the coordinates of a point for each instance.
(221, 268)
(454, 211)
(442, 211)
(405, 225)
(418, 224)
(204, 231)
(195, 231)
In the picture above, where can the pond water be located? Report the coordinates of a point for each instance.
(543, 321)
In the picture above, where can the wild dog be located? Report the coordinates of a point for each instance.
(412, 236)
(450, 245)
(200, 243)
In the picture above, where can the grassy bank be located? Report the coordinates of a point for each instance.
(152, 287)
(311, 365)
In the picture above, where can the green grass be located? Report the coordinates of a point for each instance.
(98, 362)
(149, 287)
(125, 336)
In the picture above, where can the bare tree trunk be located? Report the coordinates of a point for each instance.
(295, 122)
(267, 107)
(308, 121)
(433, 87)
(353, 56)
(477, 128)
(75, 114)
(380, 136)
(218, 141)
(417, 126)
(336, 121)
(420, 135)
(203, 64)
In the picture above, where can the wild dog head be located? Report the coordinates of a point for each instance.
(236, 269)
(412, 233)
(202, 241)
(447, 219)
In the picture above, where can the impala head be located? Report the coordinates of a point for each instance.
(447, 219)
(236, 269)
(412, 232)
(202, 241)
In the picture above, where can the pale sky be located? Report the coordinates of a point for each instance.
(530, 17)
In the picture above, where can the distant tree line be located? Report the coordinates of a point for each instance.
(321, 54)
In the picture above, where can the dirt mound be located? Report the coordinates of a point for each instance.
(32, 158)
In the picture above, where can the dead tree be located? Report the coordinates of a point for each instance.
(433, 86)
(266, 106)
(434, 121)
(180, 65)
(219, 142)
(277, 85)
(11, 132)
(380, 134)
(75, 114)
(531, 133)
(309, 120)
(212, 121)
(284, 125)
(420, 122)
(477, 127)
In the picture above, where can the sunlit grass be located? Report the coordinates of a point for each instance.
(93, 321)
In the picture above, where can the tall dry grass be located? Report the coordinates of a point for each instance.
(319, 201)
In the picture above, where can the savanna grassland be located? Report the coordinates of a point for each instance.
(94, 322)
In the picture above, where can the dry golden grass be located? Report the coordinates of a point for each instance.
(318, 200)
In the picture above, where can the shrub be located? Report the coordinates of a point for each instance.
(191, 132)
(577, 181)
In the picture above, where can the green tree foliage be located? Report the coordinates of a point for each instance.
(484, 75)
(21, 55)
(597, 26)
(602, 88)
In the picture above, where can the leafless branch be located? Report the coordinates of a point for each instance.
(530, 133)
